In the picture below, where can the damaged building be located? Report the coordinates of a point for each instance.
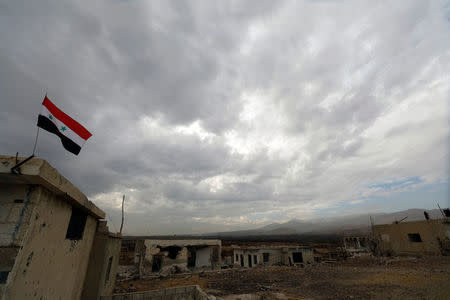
(54, 243)
(427, 237)
(356, 245)
(150, 256)
(251, 256)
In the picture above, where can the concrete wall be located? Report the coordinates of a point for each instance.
(207, 254)
(393, 238)
(192, 292)
(17, 203)
(307, 254)
(103, 261)
(276, 256)
(48, 265)
(203, 257)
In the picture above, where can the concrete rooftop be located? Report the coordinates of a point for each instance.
(40, 172)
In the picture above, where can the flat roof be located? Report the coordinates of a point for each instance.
(40, 172)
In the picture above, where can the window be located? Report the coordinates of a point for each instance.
(265, 257)
(3, 276)
(414, 237)
(255, 259)
(237, 257)
(297, 256)
(108, 269)
(76, 224)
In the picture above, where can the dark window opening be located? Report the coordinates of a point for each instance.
(173, 251)
(255, 259)
(447, 212)
(298, 257)
(192, 256)
(265, 257)
(414, 237)
(242, 260)
(157, 263)
(237, 257)
(76, 224)
(108, 269)
(3, 276)
(249, 260)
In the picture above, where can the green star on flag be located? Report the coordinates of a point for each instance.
(72, 134)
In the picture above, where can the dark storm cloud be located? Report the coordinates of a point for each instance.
(212, 115)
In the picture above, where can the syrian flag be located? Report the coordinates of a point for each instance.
(72, 134)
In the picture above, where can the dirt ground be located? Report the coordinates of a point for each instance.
(356, 278)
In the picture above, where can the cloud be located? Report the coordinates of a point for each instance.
(219, 116)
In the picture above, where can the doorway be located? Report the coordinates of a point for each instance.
(298, 257)
(157, 262)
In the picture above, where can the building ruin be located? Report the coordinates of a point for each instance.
(252, 256)
(427, 237)
(144, 257)
(54, 243)
(356, 245)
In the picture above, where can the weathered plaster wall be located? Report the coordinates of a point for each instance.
(48, 265)
(15, 212)
(17, 203)
(207, 253)
(106, 246)
(307, 254)
(276, 256)
(203, 257)
(393, 238)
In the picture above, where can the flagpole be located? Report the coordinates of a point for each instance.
(35, 141)
(16, 169)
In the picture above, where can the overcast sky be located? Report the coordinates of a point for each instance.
(224, 115)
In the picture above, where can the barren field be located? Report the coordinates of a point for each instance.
(357, 278)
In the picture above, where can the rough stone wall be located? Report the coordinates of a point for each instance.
(49, 265)
(393, 238)
(17, 203)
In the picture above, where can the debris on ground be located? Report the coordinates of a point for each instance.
(358, 278)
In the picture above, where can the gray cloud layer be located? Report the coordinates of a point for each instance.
(215, 115)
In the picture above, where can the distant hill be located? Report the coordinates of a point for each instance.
(352, 224)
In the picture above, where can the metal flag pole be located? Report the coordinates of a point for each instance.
(15, 169)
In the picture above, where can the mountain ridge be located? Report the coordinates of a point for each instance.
(356, 224)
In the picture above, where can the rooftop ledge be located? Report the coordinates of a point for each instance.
(40, 172)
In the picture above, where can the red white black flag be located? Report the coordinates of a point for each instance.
(72, 134)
